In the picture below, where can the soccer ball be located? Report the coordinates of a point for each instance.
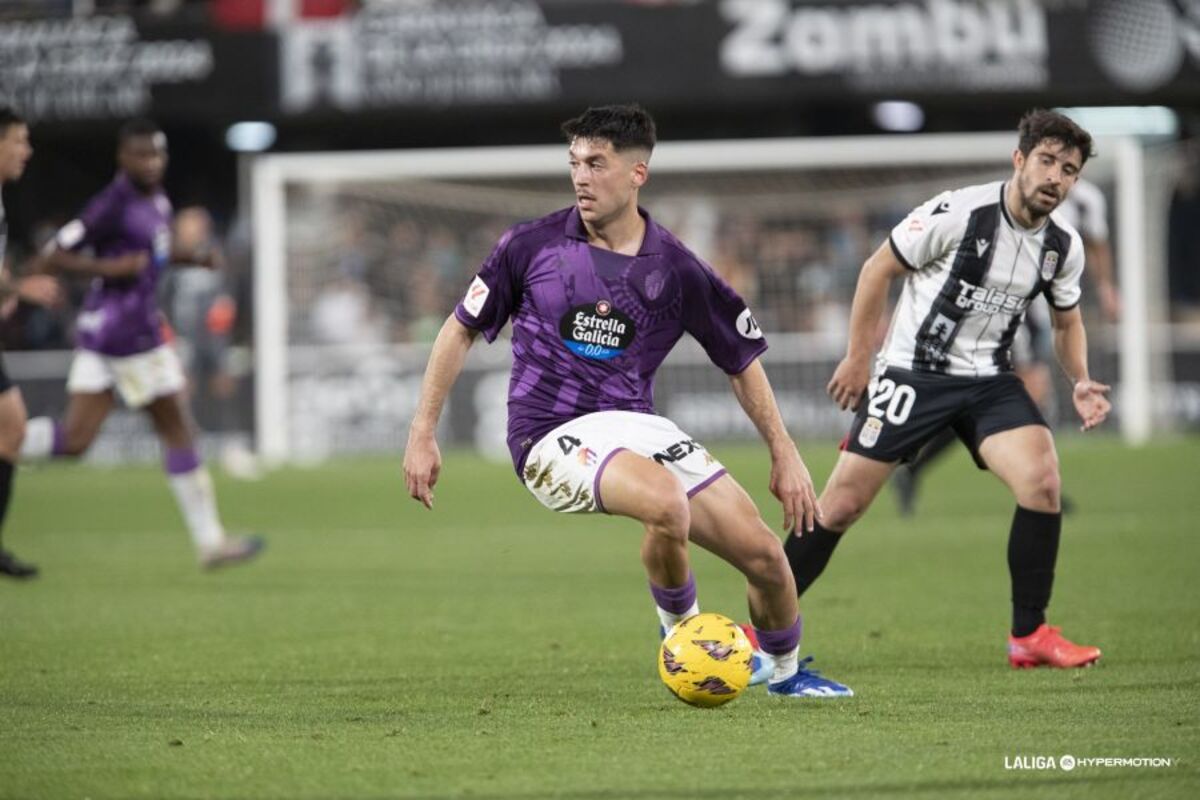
(705, 660)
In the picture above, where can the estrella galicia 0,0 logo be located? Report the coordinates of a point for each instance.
(596, 330)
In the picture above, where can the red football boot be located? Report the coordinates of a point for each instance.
(1047, 647)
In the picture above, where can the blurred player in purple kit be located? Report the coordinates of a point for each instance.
(598, 295)
(15, 152)
(122, 239)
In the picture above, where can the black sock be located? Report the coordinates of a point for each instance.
(932, 449)
(6, 480)
(808, 554)
(1032, 551)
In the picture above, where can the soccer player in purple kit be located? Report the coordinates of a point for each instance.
(598, 294)
(122, 240)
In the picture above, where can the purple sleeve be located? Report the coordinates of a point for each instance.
(93, 225)
(719, 319)
(493, 293)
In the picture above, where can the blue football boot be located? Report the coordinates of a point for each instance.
(809, 683)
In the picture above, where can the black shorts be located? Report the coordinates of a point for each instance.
(902, 410)
(5, 382)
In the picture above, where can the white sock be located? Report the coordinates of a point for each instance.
(670, 620)
(786, 665)
(198, 504)
(39, 439)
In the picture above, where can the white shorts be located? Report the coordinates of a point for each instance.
(140, 379)
(563, 469)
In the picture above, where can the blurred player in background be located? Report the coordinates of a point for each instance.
(122, 240)
(971, 260)
(15, 152)
(1085, 210)
(598, 295)
(202, 312)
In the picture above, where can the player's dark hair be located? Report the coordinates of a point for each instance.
(135, 128)
(625, 126)
(8, 118)
(1040, 124)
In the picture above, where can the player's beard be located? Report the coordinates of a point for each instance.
(1037, 204)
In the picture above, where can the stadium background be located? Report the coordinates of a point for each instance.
(374, 266)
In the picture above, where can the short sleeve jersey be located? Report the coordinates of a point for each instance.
(590, 327)
(121, 317)
(973, 272)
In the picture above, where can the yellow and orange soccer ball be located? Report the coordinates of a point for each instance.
(705, 660)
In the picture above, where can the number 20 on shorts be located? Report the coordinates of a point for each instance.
(891, 400)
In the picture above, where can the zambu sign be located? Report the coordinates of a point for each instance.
(947, 42)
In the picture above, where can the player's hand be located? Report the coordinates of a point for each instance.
(40, 290)
(849, 381)
(793, 487)
(129, 265)
(1091, 403)
(422, 464)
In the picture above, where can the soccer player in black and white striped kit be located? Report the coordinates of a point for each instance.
(972, 260)
(15, 152)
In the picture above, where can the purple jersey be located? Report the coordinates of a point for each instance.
(120, 317)
(591, 327)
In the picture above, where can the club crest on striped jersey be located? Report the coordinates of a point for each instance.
(1049, 264)
(596, 330)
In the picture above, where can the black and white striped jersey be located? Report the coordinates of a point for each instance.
(973, 273)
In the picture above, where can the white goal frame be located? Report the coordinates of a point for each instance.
(270, 175)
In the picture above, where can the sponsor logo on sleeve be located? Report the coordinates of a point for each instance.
(477, 295)
(747, 325)
(70, 235)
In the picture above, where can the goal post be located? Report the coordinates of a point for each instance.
(343, 225)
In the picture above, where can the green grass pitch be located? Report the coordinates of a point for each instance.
(492, 649)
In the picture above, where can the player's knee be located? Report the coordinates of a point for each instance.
(672, 516)
(12, 434)
(1045, 490)
(841, 510)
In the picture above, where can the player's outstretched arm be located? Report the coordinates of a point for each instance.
(790, 481)
(422, 459)
(850, 379)
(1070, 343)
(57, 259)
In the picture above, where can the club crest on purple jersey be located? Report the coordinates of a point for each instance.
(596, 330)
(655, 282)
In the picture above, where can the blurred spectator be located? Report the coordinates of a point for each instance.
(201, 308)
(1183, 265)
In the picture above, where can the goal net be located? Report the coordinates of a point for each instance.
(361, 256)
